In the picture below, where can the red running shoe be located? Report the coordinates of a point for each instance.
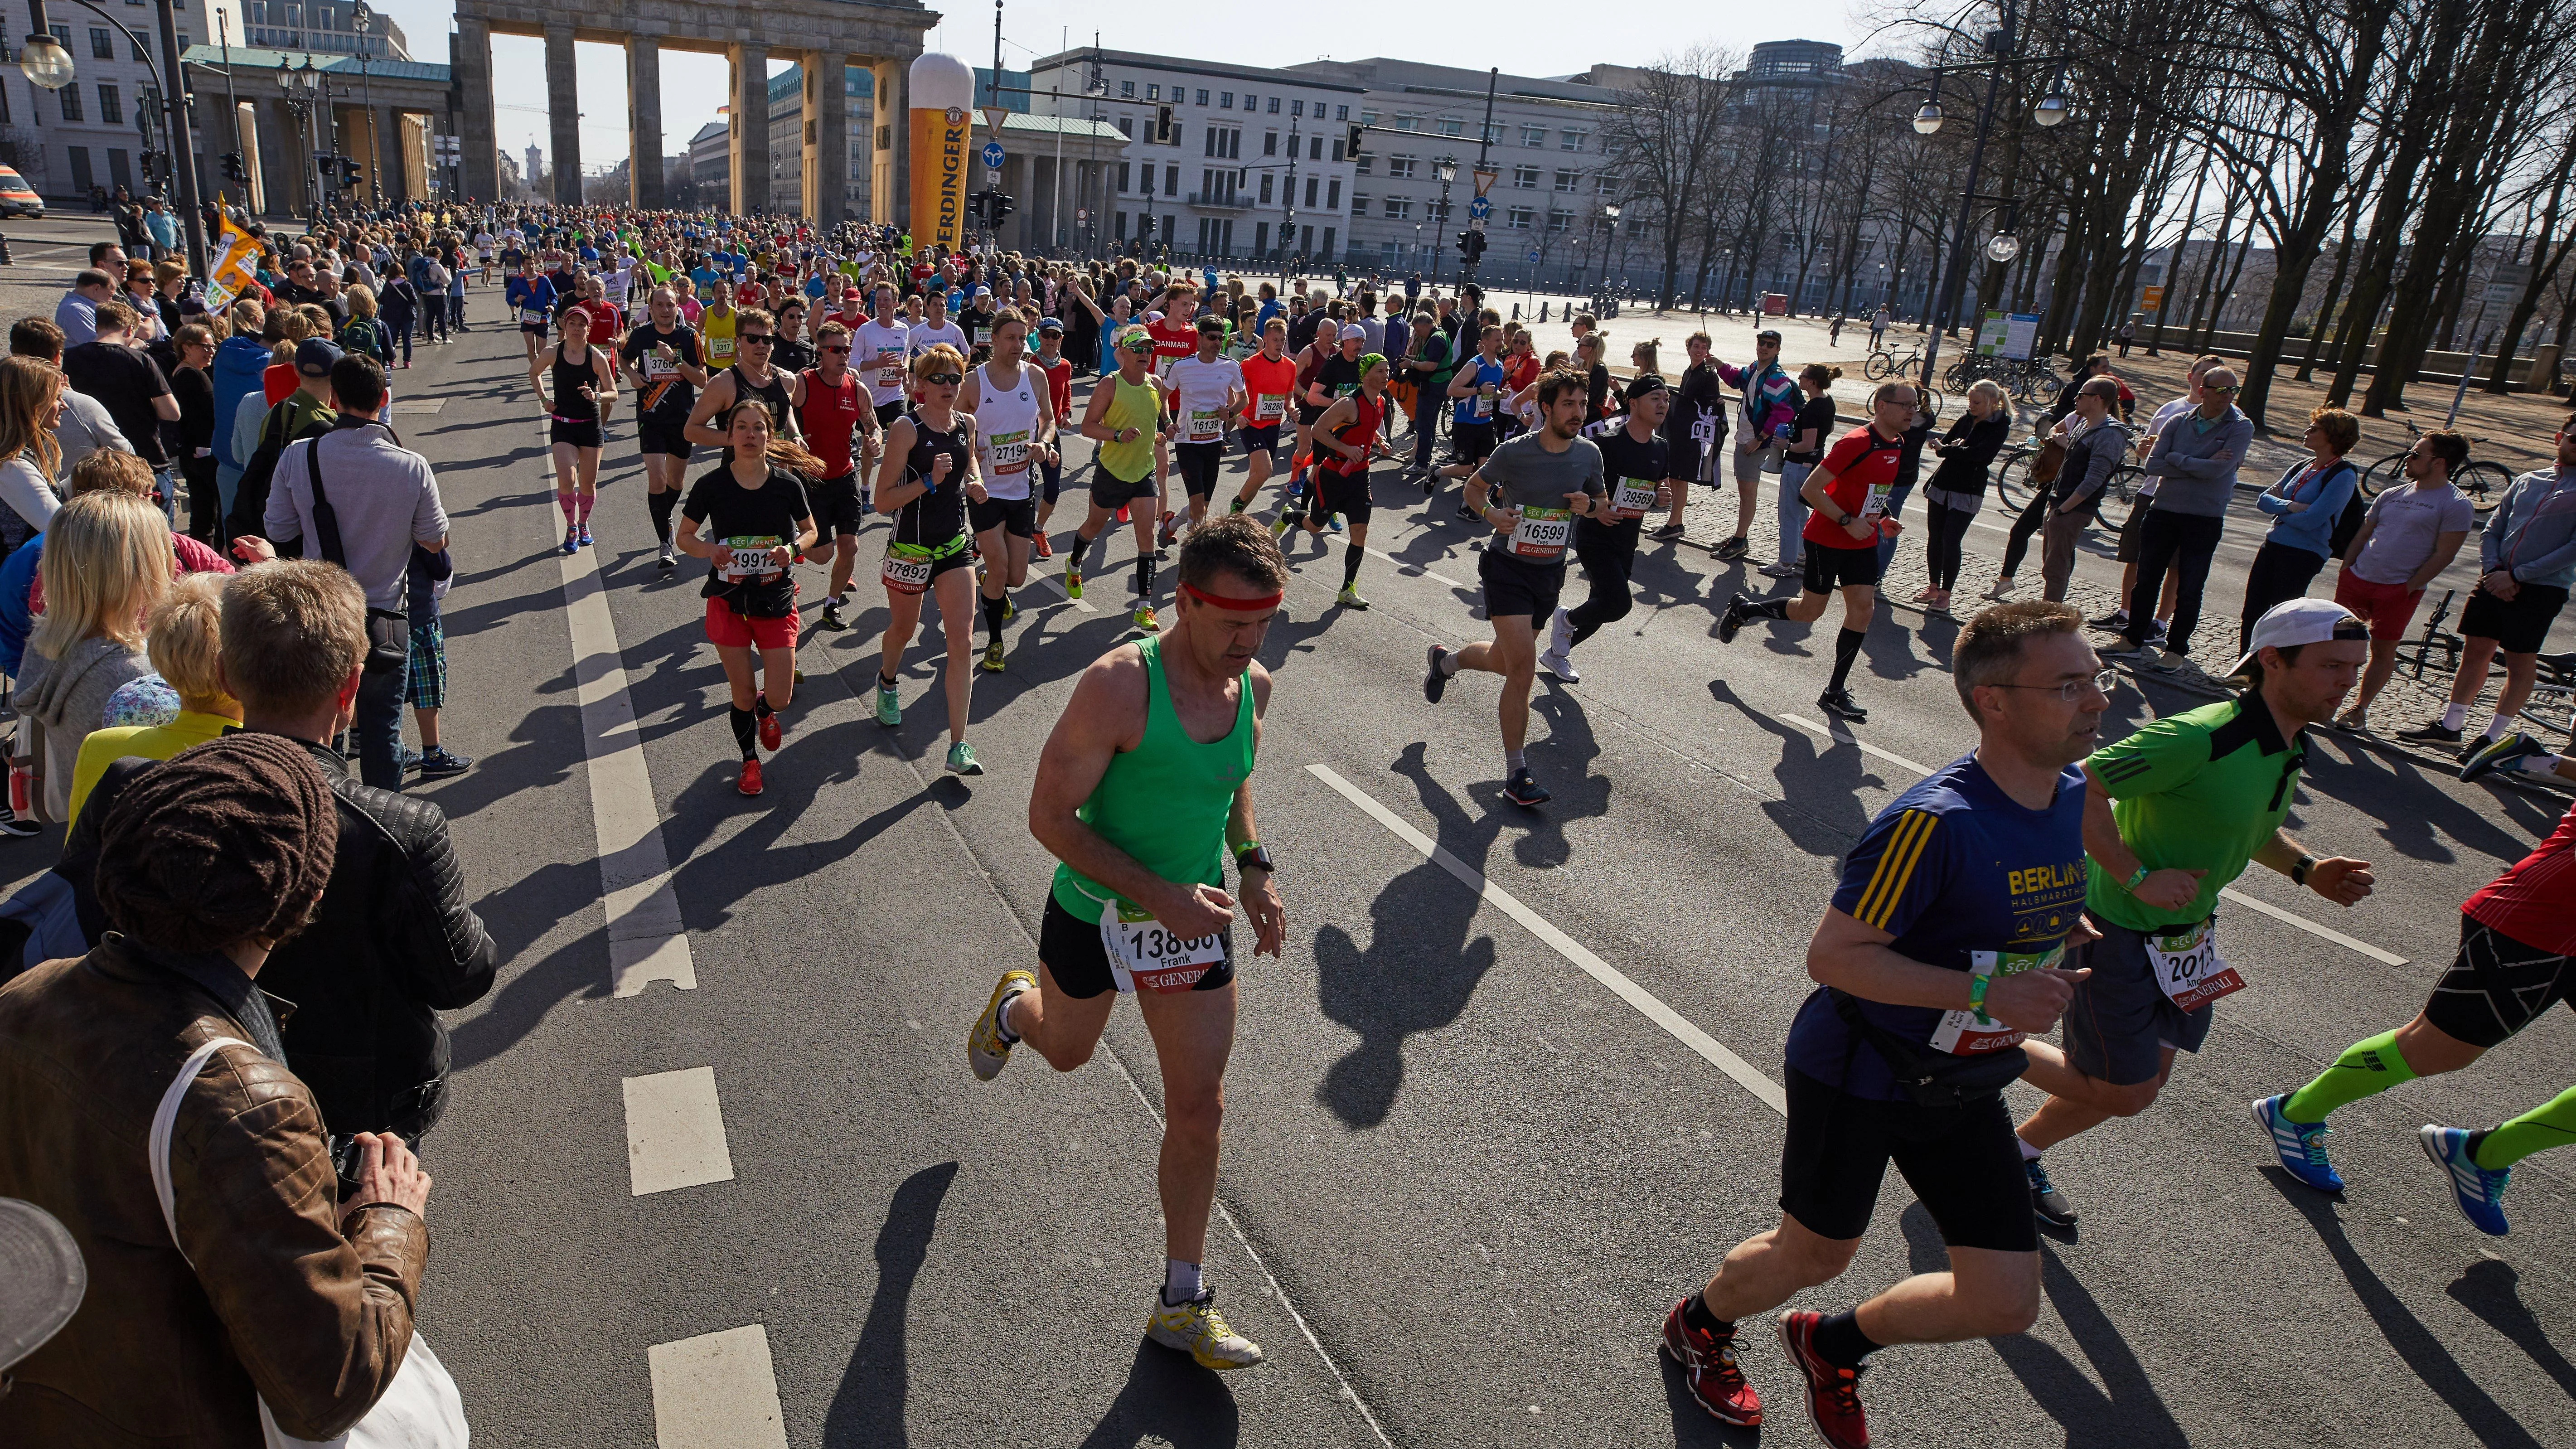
(1714, 1378)
(771, 731)
(749, 784)
(1833, 1393)
(1038, 546)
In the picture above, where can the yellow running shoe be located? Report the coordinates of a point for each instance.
(1146, 621)
(986, 1052)
(1197, 1329)
(993, 657)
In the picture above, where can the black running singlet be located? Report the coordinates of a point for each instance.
(570, 378)
(938, 516)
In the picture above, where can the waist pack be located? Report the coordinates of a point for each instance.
(1927, 1077)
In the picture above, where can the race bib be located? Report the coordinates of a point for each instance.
(1144, 955)
(889, 367)
(1875, 506)
(1163, 367)
(1704, 432)
(719, 349)
(1270, 407)
(658, 368)
(982, 335)
(1541, 534)
(1205, 425)
(1973, 1033)
(906, 572)
(1631, 498)
(533, 315)
(757, 547)
(2188, 967)
(1010, 452)
(1484, 408)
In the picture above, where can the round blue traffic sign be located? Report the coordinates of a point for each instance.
(1480, 208)
(993, 154)
(1533, 254)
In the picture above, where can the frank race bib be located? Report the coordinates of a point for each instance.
(907, 569)
(1205, 425)
(1270, 407)
(1541, 534)
(755, 547)
(2188, 967)
(1631, 498)
(1973, 1033)
(1144, 955)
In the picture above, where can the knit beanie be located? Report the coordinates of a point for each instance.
(227, 842)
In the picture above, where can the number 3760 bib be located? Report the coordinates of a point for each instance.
(1144, 955)
(2188, 967)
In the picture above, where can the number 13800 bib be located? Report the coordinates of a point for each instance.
(1144, 955)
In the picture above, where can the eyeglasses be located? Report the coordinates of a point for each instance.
(2218, 391)
(836, 349)
(943, 379)
(748, 339)
(2073, 689)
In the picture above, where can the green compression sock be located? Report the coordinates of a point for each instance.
(2366, 1068)
(2551, 1124)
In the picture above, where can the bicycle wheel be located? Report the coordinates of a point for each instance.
(2388, 472)
(1876, 368)
(2012, 478)
(2119, 495)
(2484, 483)
(1957, 376)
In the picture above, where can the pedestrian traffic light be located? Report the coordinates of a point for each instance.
(1353, 149)
(1001, 209)
(1471, 244)
(234, 171)
(351, 173)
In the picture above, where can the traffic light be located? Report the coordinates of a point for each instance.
(1002, 207)
(234, 171)
(1471, 244)
(351, 173)
(1353, 149)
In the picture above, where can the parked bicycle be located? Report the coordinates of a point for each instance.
(1887, 362)
(2483, 482)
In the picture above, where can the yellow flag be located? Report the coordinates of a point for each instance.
(236, 265)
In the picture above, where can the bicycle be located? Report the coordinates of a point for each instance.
(1887, 362)
(2483, 483)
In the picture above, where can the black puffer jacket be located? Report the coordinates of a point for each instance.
(392, 944)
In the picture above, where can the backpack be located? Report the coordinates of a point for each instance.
(2347, 527)
(250, 499)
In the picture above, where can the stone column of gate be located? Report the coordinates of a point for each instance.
(477, 140)
(827, 136)
(644, 121)
(890, 184)
(563, 114)
(749, 143)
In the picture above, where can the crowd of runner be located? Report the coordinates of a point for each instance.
(2047, 877)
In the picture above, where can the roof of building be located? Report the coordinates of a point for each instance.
(1019, 124)
(1188, 66)
(245, 58)
(1386, 73)
(708, 132)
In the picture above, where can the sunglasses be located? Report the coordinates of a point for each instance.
(836, 349)
(2221, 391)
(943, 379)
(755, 338)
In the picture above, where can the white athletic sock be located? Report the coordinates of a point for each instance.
(2028, 1152)
(1449, 665)
(2496, 727)
(1002, 1019)
(2542, 764)
(1180, 1282)
(2455, 716)
(1516, 759)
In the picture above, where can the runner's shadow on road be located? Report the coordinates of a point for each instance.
(1823, 778)
(2422, 1352)
(2125, 1412)
(868, 1407)
(2493, 1291)
(1171, 1403)
(1692, 1424)
(2418, 818)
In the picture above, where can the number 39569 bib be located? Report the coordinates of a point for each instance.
(1144, 955)
(2188, 967)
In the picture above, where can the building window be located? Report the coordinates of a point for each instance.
(1407, 123)
(1171, 181)
(1225, 100)
(5, 118)
(1261, 237)
(1533, 135)
(1203, 98)
(1565, 181)
(1341, 113)
(1519, 218)
(1127, 90)
(111, 106)
(1569, 140)
(1560, 221)
(1122, 226)
(1399, 209)
(72, 107)
(1274, 105)
(1328, 240)
(1123, 187)
(1266, 179)
(1314, 148)
(1311, 183)
(1296, 108)
(1525, 178)
(184, 42)
(1337, 150)
(1368, 118)
(101, 45)
(1607, 185)
(1270, 143)
(1362, 163)
(1153, 92)
(1145, 179)
(1399, 166)
(1333, 195)
(1359, 203)
(1451, 126)
(1177, 128)
(1251, 102)
(1127, 127)
(1492, 132)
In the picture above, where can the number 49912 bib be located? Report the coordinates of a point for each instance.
(2188, 967)
(1144, 955)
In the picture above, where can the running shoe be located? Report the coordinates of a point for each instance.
(1334, 523)
(1038, 545)
(438, 762)
(1430, 484)
(773, 731)
(986, 1051)
(2003, 588)
(14, 824)
(2155, 631)
(1731, 551)
(2436, 733)
(1559, 663)
(1524, 789)
(1730, 622)
(1196, 1329)
(1469, 514)
(1715, 1380)
(1435, 683)
(585, 535)
(1560, 632)
(1668, 530)
(2123, 648)
(1838, 702)
(669, 557)
(1072, 580)
(1833, 1392)
(1144, 619)
(1780, 571)
(410, 759)
(1349, 597)
(962, 761)
(572, 541)
(2474, 1188)
(749, 783)
(830, 620)
(1169, 530)
(2302, 1145)
(2116, 622)
(1279, 526)
(1010, 610)
(2354, 721)
(993, 657)
(2046, 1201)
(889, 710)
(2501, 754)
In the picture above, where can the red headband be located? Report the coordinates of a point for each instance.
(1266, 601)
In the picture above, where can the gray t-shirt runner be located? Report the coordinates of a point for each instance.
(1525, 474)
(2411, 523)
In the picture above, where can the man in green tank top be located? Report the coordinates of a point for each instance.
(1142, 791)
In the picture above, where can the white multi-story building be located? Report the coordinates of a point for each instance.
(322, 27)
(1220, 161)
(1545, 147)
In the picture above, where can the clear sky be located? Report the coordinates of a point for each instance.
(1506, 33)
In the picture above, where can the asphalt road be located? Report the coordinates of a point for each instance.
(1482, 1128)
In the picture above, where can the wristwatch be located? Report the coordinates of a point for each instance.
(2300, 868)
(1253, 855)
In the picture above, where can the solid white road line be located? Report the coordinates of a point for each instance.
(675, 1135)
(716, 1391)
(2323, 933)
(1646, 1002)
(646, 942)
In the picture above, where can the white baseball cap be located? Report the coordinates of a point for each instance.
(2301, 621)
(1354, 332)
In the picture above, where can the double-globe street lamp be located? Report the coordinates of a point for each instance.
(48, 64)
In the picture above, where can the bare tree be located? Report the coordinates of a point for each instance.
(1665, 131)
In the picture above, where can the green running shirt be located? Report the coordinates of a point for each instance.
(2201, 790)
(1166, 801)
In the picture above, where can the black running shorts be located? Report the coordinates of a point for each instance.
(836, 507)
(2497, 986)
(1015, 516)
(1963, 1163)
(1074, 955)
(1517, 586)
(661, 435)
(1199, 464)
(1344, 493)
(1830, 568)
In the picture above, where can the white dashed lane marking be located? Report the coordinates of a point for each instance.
(675, 1133)
(716, 1391)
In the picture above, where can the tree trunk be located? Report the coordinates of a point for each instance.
(2172, 270)
(2334, 292)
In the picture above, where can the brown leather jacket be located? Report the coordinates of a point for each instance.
(287, 1299)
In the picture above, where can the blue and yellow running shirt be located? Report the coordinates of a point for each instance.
(1951, 867)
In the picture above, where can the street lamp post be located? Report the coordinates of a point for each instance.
(301, 87)
(1610, 215)
(362, 17)
(1446, 168)
(45, 63)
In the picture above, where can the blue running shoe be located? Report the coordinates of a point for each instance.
(2474, 1188)
(2302, 1145)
